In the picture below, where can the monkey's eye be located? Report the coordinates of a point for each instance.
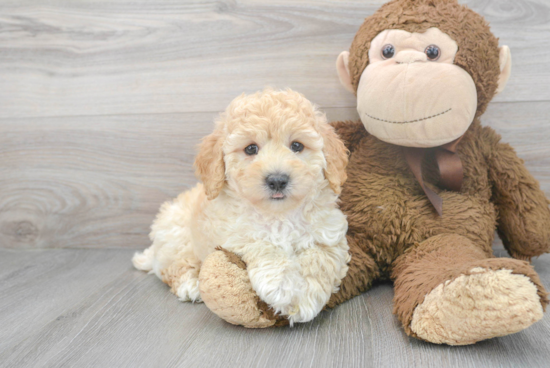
(251, 150)
(433, 52)
(388, 51)
(297, 147)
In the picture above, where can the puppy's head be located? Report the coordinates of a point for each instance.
(274, 149)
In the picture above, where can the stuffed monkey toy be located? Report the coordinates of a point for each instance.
(427, 184)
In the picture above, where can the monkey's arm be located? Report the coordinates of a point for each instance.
(524, 215)
(350, 132)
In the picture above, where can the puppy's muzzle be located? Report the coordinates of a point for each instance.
(277, 183)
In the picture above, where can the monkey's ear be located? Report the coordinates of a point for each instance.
(505, 61)
(343, 71)
(209, 164)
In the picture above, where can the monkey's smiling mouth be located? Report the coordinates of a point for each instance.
(410, 121)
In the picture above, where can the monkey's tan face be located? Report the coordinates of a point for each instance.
(411, 94)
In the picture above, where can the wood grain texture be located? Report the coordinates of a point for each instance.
(89, 308)
(37, 287)
(117, 57)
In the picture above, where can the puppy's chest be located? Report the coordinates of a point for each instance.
(291, 235)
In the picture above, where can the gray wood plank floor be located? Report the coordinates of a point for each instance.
(89, 308)
(102, 103)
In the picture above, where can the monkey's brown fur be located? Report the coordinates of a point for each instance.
(394, 232)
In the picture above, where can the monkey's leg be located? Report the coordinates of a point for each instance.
(361, 273)
(448, 291)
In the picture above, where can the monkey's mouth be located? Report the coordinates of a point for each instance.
(409, 121)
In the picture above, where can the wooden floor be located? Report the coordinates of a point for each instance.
(102, 103)
(89, 308)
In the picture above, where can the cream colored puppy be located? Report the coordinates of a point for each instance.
(271, 173)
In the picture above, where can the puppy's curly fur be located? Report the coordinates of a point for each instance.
(291, 236)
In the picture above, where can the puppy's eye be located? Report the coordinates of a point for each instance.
(251, 150)
(388, 51)
(297, 147)
(433, 52)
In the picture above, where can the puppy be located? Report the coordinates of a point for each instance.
(271, 173)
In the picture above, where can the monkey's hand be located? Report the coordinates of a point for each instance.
(226, 290)
(524, 215)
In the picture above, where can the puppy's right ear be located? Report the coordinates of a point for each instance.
(209, 164)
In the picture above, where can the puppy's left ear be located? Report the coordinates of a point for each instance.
(209, 164)
(336, 155)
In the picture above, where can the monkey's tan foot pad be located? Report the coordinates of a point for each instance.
(226, 290)
(481, 305)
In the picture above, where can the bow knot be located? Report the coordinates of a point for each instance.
(450, 170)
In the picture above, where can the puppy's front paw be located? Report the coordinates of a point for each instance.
(280, 286)
(226, 290)
(188, 291)
(311, 303)
(304, 313)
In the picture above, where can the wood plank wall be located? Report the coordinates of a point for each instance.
(103, 102)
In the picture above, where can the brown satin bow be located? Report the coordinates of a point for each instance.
(450, 169)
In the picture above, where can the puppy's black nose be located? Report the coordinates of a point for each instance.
(277, 182)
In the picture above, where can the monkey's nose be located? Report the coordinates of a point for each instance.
(410, 56)
(277, 182)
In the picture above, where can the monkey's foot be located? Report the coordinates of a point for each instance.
(226, 290)
(479, 305)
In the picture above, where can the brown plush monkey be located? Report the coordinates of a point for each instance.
(428, 185)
